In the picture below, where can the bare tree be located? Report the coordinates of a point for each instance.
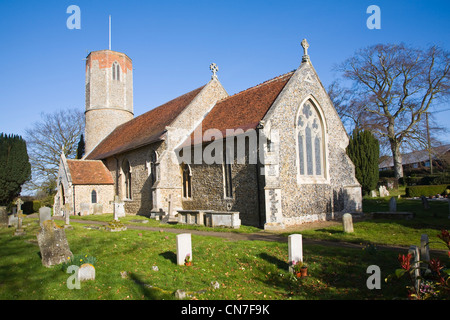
(397, 85)
(56, 132)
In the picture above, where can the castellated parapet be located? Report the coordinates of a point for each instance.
(109, 94)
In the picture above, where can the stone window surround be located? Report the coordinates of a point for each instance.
(227, 177)
(115, 71)
(124, 183)
(313, 179)
(184, 191)
(94, 193)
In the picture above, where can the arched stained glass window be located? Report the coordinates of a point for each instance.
(94, 196)
(310, 141)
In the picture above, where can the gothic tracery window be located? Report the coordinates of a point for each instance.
(310, 141)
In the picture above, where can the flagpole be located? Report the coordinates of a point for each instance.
(109, 32)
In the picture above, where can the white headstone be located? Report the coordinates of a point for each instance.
(119, 208)
(184, 247)
(295, 248)
(86, 272)
(347, 221)
(45, 213)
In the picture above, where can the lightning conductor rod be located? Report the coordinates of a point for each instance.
(109, 32)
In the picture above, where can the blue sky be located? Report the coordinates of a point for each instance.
(172, 44)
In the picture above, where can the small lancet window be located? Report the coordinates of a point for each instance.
(94, 196)
(116, 71)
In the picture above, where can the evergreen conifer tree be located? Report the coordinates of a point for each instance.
(364, 150)
(15, 168)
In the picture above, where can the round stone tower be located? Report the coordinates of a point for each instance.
(109, 94)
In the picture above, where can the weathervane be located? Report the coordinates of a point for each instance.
(305, 47)
(214, 68)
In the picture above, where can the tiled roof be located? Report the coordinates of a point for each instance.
(144, 129)
(243, 110)
(417, 156)
(89, 172)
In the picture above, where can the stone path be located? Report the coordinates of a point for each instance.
(261, 236)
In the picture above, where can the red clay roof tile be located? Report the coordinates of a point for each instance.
(89, 172)
(243, 110)
(144, 129)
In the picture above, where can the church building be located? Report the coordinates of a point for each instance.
(275, 153)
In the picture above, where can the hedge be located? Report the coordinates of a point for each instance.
(427, 191)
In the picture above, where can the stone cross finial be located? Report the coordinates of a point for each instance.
(19, 204)
(214, 68)
(305, 47)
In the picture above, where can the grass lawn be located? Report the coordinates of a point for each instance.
(391, 232)
(248, 270)
(244, 269)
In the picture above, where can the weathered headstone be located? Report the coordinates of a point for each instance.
(86, 272)
(84, 208)
(119, 208)
(45, 213)
(295, 248)
(3, 217)
(98, 208)
(19, 230)
(424, 249)
(393, 205)
(383, 191)
(373, 193)
(67, 211)
(19, 204)
(425, 202)
(53, 244)
(414, 251)
(347, 221)
(184, 247)
(13, 220)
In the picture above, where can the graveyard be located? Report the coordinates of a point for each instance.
(145, 261)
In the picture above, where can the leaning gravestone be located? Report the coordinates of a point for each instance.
(45, 213)
(184, 247)
(424, 250)
(347, 221)
(53, 244)
(295, 249)
(393, 205)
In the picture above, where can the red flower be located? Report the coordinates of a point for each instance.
(445, 236)
(405, 261)
(435, 265)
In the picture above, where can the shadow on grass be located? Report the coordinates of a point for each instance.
(274, 261)
(169, 255)
(148, 291)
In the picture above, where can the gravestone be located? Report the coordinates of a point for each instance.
(425, 202)
(13, 220)
(86, 272)
(383, 191)
(45, 213)
(373, 193)
(84, 208)
(184, 247)
(67, 211)
(19, 230)
(119, 208)
(414, 251)
(53, 244)
(347, 221)
(19, 204)
(424, 250)
(98, 208)
(295, 249)
(3, 217)
(393, 205)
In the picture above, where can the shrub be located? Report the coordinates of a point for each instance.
(427, 191)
